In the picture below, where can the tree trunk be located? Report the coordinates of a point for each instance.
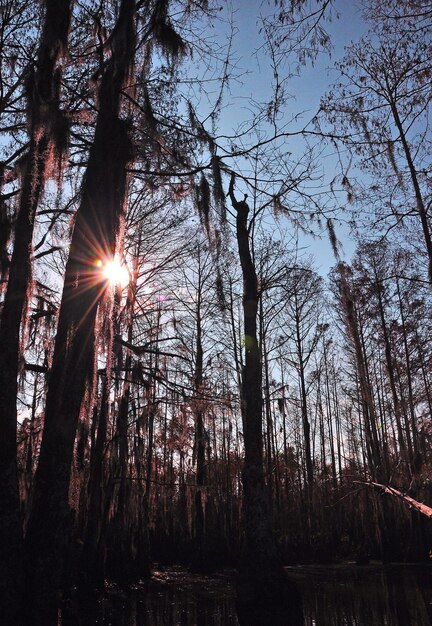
(421, 207)
(406, 454)
(270, 460)
(45, 121)
(264, 595)
(414, 429)
(200, 561)
(96, 236)
(92, 558)
(369, 414)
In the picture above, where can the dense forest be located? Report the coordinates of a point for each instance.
(179, 382)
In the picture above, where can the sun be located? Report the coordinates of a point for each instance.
(115, 272)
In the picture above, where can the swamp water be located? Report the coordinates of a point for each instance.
(345, 595)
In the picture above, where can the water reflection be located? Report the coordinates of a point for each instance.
(171, 598)
(332, 596)
(394, 595)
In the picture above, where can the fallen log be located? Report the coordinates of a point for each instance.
(415, 504)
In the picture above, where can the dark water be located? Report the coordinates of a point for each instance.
(396, 595)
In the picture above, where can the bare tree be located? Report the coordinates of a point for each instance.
(383, 103)
(263, 589)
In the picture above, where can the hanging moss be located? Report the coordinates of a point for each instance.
(202, 192)
(220, 291)
(390, 148)
(218, 191)
(200, 132)
(5, 234)
(166, 37)
(98, 229)
(150, 121)
(333, 239)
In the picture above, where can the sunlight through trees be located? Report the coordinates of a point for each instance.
(180, 383)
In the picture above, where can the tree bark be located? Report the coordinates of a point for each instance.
(92, 558)
(44, 111)
(96, 236)
(264, 594)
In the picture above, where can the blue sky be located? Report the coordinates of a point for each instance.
(305, 89)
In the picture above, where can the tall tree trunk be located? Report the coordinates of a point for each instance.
(422, 210)
(405, 453)
(47, 126)
(200, 561)
(149, 478)
(270, 458)
(264, 595)
(369, 413)
(380, 463)
(92, 558)
(414, 429)
(96, 235)
(330, 419)
(285, 441)
(304, 413)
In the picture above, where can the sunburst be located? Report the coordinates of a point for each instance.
(114, 272)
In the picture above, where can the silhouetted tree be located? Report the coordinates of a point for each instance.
(97, 237)
(48, 130)
(264, 593)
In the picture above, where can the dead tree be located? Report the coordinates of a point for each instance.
(264, 595)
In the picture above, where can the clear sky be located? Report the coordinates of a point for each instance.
(306, 89)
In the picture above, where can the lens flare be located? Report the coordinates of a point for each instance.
(115, 272)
